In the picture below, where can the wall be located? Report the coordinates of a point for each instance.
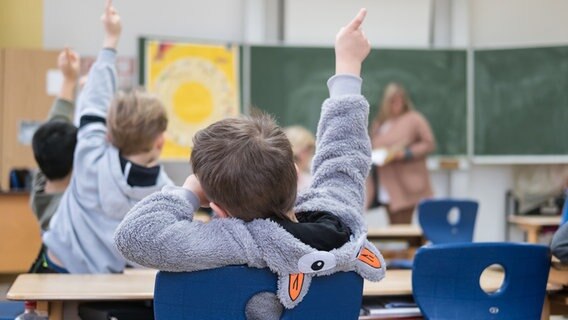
(391, 23)
(519, 23)
(77, 23)
(403, 23)
(21, 23)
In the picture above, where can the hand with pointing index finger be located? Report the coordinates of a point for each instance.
(69, 64)
(351, 46)
(112, 25)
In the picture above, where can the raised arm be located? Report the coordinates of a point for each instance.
(101, 83)
(97, 96)
(64, 105)
(159, 232)
(559, 245)
(343, 151)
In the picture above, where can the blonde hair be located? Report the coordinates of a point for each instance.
(301, 139)
(135, 120)
(391, 90)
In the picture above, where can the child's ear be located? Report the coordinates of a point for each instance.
(160, 141)
(220, 211)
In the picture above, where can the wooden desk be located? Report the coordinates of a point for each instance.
(399, 283)
(405, 232)
(54, 289)
(20, 233)
(533, 224)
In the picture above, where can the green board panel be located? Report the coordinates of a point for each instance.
(290, 83)
(521, 102)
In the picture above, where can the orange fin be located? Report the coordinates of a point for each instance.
(369, 258)
(295, 285)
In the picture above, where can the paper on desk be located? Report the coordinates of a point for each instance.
(53, 82)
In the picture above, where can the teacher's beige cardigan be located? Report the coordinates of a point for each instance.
(407, 181)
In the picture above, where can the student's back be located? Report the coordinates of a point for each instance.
(53, 144)
(108, 178)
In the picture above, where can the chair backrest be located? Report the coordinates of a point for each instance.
(435, 217)
(446, 280)
(224, 292)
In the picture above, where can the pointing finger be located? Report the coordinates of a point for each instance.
(356, 23)
(108, 7)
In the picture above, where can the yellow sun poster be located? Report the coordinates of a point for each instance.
(198, 84)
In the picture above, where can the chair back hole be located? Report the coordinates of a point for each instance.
(454, 216)
(492, 279)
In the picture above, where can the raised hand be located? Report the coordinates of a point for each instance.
(69, 64)
(351, 46)
(112, 25)
(193, 185)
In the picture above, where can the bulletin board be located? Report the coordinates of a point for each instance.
(198, 84)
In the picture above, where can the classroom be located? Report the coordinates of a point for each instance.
(283, 159)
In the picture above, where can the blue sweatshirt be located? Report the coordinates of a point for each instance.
(100, 193)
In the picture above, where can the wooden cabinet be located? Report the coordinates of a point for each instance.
(23, 97)
(20, 233)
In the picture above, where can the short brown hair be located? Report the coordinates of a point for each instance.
(246, 166)
(135, 120)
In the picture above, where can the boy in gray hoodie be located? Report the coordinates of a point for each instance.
(115, 166)
(244, 169)
(53, 144)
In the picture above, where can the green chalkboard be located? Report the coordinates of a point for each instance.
(521, 101)
(290, 83)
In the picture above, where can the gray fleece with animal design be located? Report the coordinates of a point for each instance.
(159, 232)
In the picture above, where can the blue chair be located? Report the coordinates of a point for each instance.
(224, 292)
(11, 309)
(434, 216)
(445, 281)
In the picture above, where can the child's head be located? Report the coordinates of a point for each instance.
(303, 145)
(136, 122)
(53, 145)
(246, 167)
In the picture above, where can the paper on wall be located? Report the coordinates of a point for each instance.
(26, 130)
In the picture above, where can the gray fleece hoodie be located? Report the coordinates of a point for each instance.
(559, 245)
(159, 232)
(81, 231)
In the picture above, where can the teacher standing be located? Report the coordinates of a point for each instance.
(403, 180)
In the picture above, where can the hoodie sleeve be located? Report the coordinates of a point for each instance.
(159, 232)
(93, 104)
(343, 151)
(61, 110)
(559, 244)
